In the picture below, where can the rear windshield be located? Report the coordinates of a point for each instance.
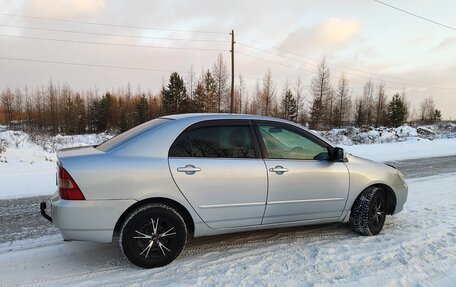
(130, 134)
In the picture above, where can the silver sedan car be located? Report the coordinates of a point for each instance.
(207, 174)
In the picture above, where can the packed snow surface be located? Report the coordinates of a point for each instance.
(417, 247)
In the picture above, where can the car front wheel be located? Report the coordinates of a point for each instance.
(369, 211)
(153, 235)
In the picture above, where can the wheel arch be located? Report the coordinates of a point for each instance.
(171, 203)
(390, 196)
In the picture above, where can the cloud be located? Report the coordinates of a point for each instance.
(326, 36)
(65, 8)
(447, 43)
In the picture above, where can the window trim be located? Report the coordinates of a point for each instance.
(302, 132)
(220, 122)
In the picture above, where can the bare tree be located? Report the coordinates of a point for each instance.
(427, 108)
(221, 79)
(380, 105)
(241, 92)
(300, 100)
(18, 107)
(368, 103)
(191, 82)
(321, 91)
(268, 95)
(7, 100)
(342, 103)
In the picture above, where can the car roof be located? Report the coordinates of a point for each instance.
(213, 116)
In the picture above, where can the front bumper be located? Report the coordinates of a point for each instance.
(401, 192)
(86, 220)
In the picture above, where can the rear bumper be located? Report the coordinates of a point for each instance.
(87, 220)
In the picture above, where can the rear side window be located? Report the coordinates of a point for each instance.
(215, 142)
(130, 134)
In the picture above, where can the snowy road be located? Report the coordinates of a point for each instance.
(416, 248)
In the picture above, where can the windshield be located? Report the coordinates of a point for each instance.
(130, 134)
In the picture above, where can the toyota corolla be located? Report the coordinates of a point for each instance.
(207, 174)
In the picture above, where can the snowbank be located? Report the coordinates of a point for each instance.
(27, 164)
(354, 136)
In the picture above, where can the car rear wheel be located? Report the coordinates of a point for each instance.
(153, 235)
(369, 211)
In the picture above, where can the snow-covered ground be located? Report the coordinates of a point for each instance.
(419, 148)
(27, 167)
(416, 248)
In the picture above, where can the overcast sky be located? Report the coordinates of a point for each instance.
(362, 38)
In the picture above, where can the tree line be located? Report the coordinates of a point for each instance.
(57, 108)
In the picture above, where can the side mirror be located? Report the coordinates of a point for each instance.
(338, 154)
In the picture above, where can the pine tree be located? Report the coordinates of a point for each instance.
(397, 110)
(79, 114)
(141, 110)
(320, 90)
(206, 99)
(122, 121)
(175, 99)
(289, 106)
(437, 115)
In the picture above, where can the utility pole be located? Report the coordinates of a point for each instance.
(232, 72)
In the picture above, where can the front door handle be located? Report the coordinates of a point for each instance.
(189, 169)
(278, 169)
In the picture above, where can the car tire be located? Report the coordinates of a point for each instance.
(153, 235)
(369, 211)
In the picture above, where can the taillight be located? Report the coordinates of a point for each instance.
(68, 189)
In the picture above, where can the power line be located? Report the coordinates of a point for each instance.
(274, 62)
(350, 80)
(87, 65)
(111, 24)
(277, 54)
(381, 77)
(415, 15)
(115, 35)
(110, 44)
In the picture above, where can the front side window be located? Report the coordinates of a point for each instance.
(283, 143)
(215, 142)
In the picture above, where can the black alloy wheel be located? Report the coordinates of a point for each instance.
(153, 236)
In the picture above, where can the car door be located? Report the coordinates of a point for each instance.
(217, 166)
(304, 184)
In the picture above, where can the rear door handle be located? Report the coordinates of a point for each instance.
(189, 169)
(278, 169)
